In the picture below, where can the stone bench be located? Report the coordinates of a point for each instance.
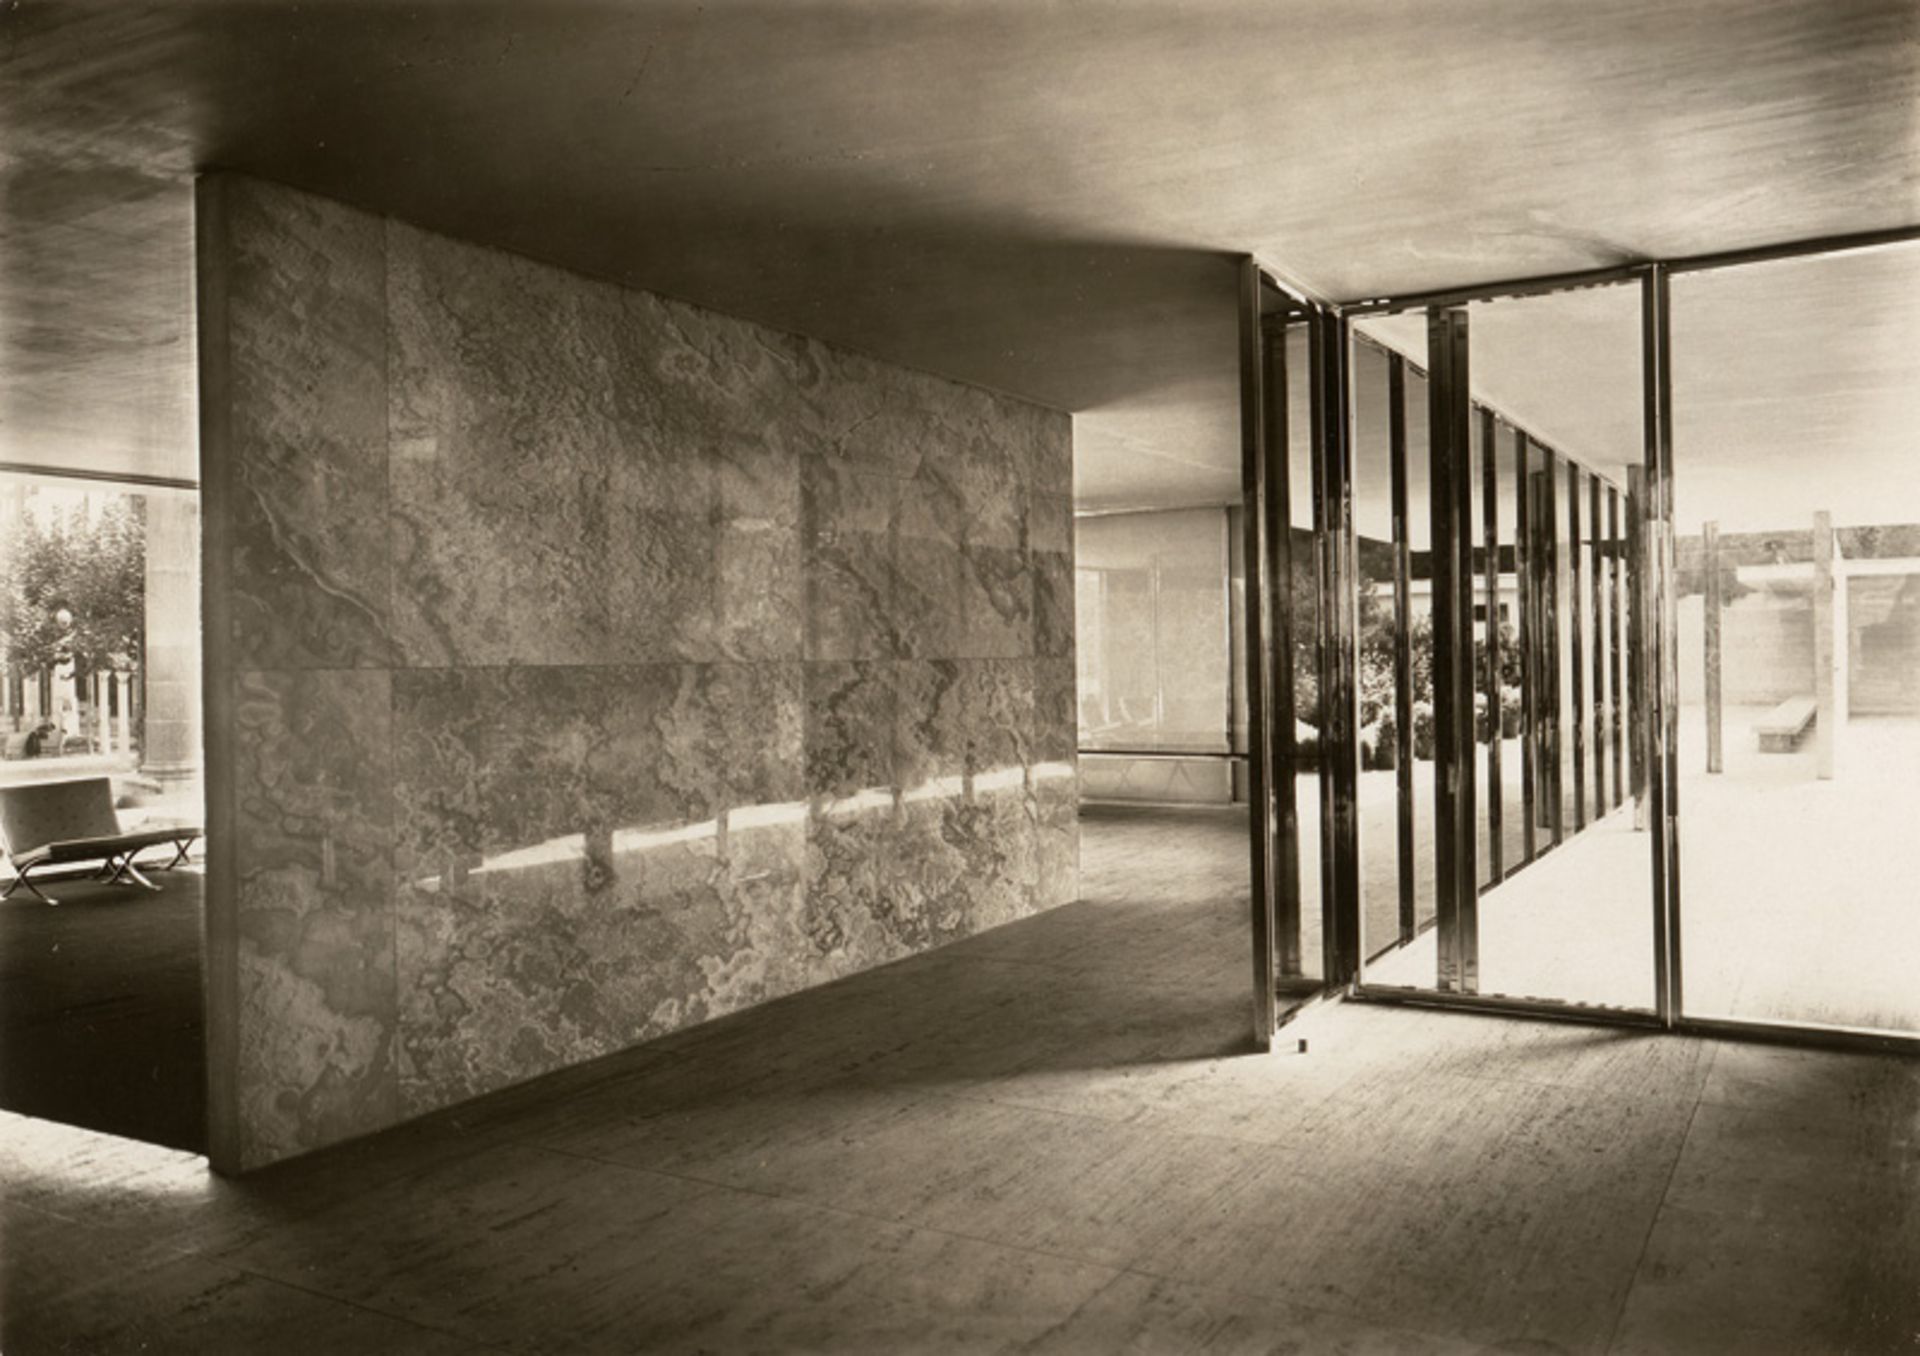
(1782, 728)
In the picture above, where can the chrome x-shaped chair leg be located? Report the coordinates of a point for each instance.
(20, 879)
(125, 872)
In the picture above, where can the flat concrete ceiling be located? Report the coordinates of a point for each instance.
(1047, 198)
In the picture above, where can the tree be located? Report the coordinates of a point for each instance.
(89, 561)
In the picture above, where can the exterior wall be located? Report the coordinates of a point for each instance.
(1884, 643)
(583, 665)
(1766, 650)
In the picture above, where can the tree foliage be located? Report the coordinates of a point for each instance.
(86, 560)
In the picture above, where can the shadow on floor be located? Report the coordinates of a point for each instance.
(101, 1018)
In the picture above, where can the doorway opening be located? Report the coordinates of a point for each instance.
(102, 1017)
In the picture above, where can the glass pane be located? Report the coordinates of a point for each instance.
(1420, 642)
(1797, 522)
(1377, 643)
(1305, 587)
(1506, 682)
(1396, 767)
(1484, 694)
(1575, 923)
(1396, 795)
(1152, 646)
(1572, 923)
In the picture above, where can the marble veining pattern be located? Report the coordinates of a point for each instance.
(313, 848)
(670, 664)
(310, 579)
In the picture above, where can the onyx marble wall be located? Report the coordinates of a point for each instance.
(586, 664)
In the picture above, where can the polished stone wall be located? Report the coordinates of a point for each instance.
(591, 664)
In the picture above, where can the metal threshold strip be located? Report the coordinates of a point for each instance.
(1846, 1038)
(1592, 1014)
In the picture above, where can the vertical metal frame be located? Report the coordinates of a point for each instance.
(1523, 584)
(1553, 774)
(1402, 645)
(1576, 656)
(1339, 696)
(1490, 561)
(1662, 660)
(1637, 700)
(1616, 621)
(1597, 550)
(1255, 491)
(1226, 624)
(1449, 446)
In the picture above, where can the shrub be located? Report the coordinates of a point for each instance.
(1386, 752)
(1377, 748)
(1512, 713)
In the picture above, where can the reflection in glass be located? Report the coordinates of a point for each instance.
(1381, 776)
(1304, 586)
(1564, 914)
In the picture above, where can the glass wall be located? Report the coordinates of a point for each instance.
(1155, 657)
(1797, 522)
(1151, 606)
(1758, 597)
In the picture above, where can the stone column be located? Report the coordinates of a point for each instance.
(170, 747)
(103, 722)
(123, 709)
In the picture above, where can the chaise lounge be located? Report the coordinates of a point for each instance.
(48, 824)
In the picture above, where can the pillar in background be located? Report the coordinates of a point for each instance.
(170, 748)
(1710, 543)
(123, 709)
(1825, 717)
(102, 721)
(1842, 641)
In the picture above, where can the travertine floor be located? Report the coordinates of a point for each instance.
(1800, 896)
(1050, 1138)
